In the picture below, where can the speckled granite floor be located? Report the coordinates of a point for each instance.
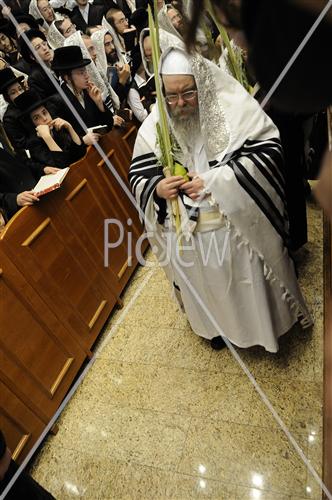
(161, 415)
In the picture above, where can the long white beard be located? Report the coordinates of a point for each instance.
(186, 131)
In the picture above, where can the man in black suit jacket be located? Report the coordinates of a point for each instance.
(85, 97)
(38, 79)
(16, 182)
(10, 87)
(115, 4)
(86, 14)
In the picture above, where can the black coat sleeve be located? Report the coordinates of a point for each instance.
(8, 203)
(41, 83)
(15, 132)
(76, 151)
(105, 117)
(41, 155)
(122, 90)
(3, 445)
(59, 159)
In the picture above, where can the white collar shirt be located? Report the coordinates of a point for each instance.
(85, 12)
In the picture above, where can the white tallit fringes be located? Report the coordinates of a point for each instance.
(286, 296)
(212, 201)
(306, 322)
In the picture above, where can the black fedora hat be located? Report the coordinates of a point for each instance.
(29, 20)
(7, 29)
(7, 78)
(68, 58)
(25, 49)
(29, 101)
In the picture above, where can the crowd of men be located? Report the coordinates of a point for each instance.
(96, 55)
(245, 169)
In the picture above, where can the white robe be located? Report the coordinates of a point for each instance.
(252, 297)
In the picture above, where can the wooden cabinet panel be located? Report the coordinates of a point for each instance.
(108, 180)
(119, 260)
(87, 206)
(125, 140)
(20, 426)
(126, 211)
(56, 293)
(40, 250)
(38, 356)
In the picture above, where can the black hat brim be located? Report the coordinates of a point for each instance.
(27, 19)
(33, 106)
(8, 83)
(74, 65)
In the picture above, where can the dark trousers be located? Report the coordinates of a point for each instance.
(25, 488)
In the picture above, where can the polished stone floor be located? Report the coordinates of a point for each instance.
(161, 415)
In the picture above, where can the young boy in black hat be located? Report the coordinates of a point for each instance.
(52, 140)
(84, 96)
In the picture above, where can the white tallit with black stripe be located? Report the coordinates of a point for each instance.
(244, 174)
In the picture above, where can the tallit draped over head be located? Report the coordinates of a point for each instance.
(54, 37)
(228, 114)
(242, 172)
(117, 44)
(169, 35)
(144, 33)
(98, 40)
(165, 22)
(35, 12)
(176, 63)
(94, 75)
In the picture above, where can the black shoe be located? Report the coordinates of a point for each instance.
(217, 343)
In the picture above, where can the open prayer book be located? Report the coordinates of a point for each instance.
(48, 183)
(147, 87)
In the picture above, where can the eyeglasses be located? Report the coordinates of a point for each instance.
(186, 96)
(122, 21)
(47, 8)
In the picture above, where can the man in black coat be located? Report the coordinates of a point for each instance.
(86, 14)
(16, 182)
(38, 79)
(115, 4)
(17, 179)
(25, 487)
(11, 87)
(85, 97)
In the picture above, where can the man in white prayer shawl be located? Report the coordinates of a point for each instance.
(235, 255)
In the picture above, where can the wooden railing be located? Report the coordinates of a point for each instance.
(56, 293)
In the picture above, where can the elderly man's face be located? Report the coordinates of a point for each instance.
(181, 95)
